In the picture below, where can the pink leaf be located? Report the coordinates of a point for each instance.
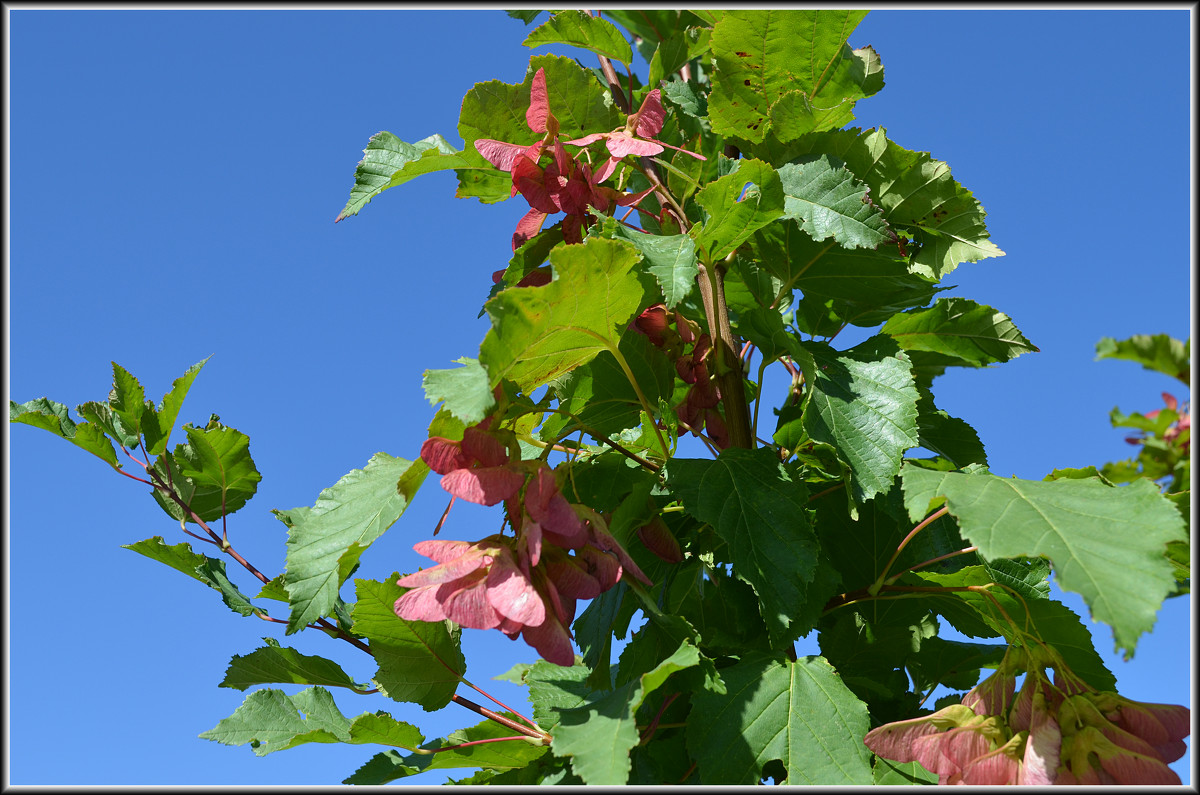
(539, 104)
(587, 139)
(621, 144)
(530, 181)
(483, 448)
(443, 551)
(650, 115)
(529, 225)
(420, 604)
(465, 602)
(447, 572)
(442, 455)
(511, 593)
(498, 153)
(659, 539)
(551, 640)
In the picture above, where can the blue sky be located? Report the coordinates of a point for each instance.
(173, 180)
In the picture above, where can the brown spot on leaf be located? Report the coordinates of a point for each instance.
(741, 54)
(747, 82)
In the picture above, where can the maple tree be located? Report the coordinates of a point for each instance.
(613, 416)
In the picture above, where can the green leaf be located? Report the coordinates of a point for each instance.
(581, 29)
(952, 663)
(495, 756)
(464, 389)
(864, 403)
(324, 542)
(108, 422)
(1106, 543)
(671, 258)
(826, 200)
(158, 423)
(947, 436)
(799, 713)
(270, 720)
(734, 213)
(958, 332)
(915, 192)
(787, 72)
(209, 571)
(539, 333)
(1160, 352)
(599, 395)
(418, 661)
(278, 664)
(1050, 620)
(599, 735)
(763, 516)
(388, 162)
(51, 416)
(128, 400)
(887, 772)
(866, 286)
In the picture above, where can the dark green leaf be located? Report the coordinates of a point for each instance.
(273, 664)
(958, 332)
(826, 200)
(270, 720)
(418, 661)
(209, 571)
(51, 416)
(158, 424)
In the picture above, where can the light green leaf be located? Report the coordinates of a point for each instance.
(864, 403)
(465, 390)
(158, 431)
(270, 720)
(1106, 543)
(788, 72)
(799, 713)
(51, 416)
(762, 515)
(825, 199)
(958, 332)
(418, 661)
(671, 258)
(887, 772)
(325, 541)
(581, 29)
(539, 333)
(599, 734)
(278, 664)
(735, 211)
(388, 162)
(1159, 352)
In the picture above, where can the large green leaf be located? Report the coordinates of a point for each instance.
(949, 437)
(799, 713)
(1106, 543)
(958, 332)
(581, 29)
(671, 258)
(1159, 352)
(491, 756)
(51, 416)
(599, 734)
(325, 541)
(762, 515)
(788, 72)
(278, 664)
(734, 210)
(915, 192)
(213, 474)
(388, 162)
(418, 661)
(270, 720)
(826, 200)
(864, 403)
(539, 333)
(464, 389)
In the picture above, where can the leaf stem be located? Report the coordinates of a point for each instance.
(928, 520)
(711, 279)
(512, 724)
(929, 562)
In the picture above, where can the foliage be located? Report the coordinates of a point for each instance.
(720, 226)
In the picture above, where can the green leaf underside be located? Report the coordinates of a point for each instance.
(419, 661)
(799, 713)
(1106, 543)
(388, 162)
(863, 402)
(581, 29)
(464, 389)
(325, 541)
(960, 332)
(763, 82)
(1159, 352)
(539, 333)
(763, 516)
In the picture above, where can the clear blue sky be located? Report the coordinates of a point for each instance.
(173, 180)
